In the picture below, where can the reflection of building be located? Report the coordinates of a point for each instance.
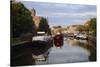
(36, 19)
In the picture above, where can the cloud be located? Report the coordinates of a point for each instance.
(79, 14)
(46, 4)
(61, 14)
(66, 13)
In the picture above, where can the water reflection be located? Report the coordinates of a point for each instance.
(68, 54)
(71, 50)
(87, 45)
(42, 58)
(58, 43)
(58, 40)
(81, 43)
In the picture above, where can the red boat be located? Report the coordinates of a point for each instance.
(58, 40)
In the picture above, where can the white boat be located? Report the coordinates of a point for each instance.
(41, 36)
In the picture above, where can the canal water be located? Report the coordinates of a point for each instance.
(72, 51)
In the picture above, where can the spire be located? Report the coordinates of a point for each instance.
(33, 12)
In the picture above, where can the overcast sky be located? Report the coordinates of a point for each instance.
(62, 14)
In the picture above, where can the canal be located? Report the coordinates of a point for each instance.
(72, 51)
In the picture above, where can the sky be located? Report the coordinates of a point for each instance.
(62, 14)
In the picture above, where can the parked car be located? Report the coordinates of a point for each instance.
(58, 40)
(81, 36)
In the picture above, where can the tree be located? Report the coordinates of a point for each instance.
(93, 26)
(21, 20)
(43, 26)
(90, 26)
(80, 28)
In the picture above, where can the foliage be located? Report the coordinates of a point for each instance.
(43, 26)
(87, 25)
(21, 21)
(93, 26)
(80, 28)
(90, 26)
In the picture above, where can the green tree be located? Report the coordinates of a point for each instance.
(43, 26)
(87, 25)
(90, 26)
(80, 28)
(93, 26)
(21, 20)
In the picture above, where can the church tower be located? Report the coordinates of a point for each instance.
(33, 12)
(36, 19)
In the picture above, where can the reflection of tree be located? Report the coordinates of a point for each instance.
(84, 45)
(92, 56)
(79, 43)
(87, 46)
(91, 49)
